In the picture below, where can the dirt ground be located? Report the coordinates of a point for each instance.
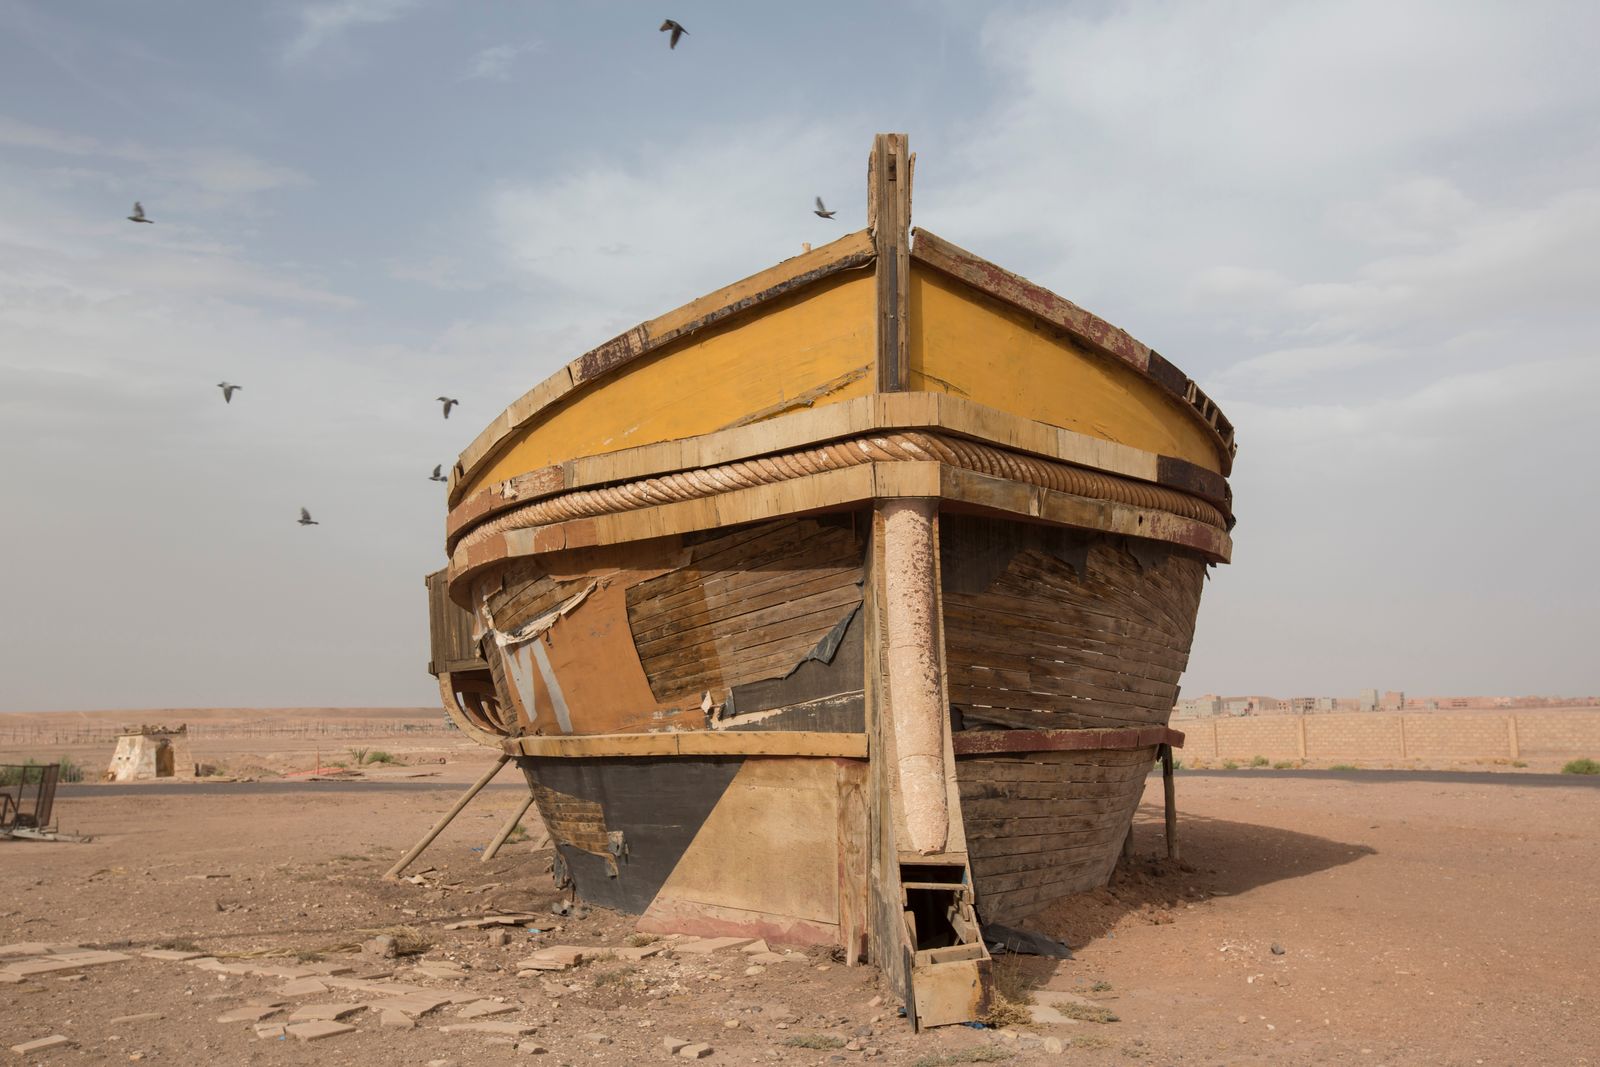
(1420, 922)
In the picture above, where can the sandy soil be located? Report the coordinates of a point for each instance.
(1420, 923)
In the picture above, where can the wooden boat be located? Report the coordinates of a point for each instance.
(845, 605)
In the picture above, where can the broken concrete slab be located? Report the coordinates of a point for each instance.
(673, 1044)
(758, 945)
(64, 962)
(325, 967)
(695, 1052)
(172, 955)
(412, 1004)
(510, 919)
(42, 1044)
(324, 1012)
(570, 955)
(482, 1009)
(769, 957)
(512, 1029)
(250, 1013)
(317, 1030)
(440, 970)
(270, 1031)
(640, 952)
(706, 946)
(396, 1020)
(303, 987)
(141, 1017)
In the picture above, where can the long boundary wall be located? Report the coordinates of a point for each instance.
(1388, 736)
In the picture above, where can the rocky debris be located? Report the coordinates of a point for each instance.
(530, 1048)
(395, 1020)
(55, 960)
(556, 958)
(141, 1017)
(270, 1031)
(673, 1044)
(695, 1052)
(753, 970)
(171, 955)
(1277, 949)
(499, 938)
(758, 945)
(42, 1044)
(318, 1029)
(440, 969)
(640, 952)
(595, 1037)
(506, 919)
(383, 946)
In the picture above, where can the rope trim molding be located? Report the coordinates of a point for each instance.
(900, 446)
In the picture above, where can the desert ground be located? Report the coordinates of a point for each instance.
(1314, 918)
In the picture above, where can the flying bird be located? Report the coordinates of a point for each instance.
(822, 210)
(438, 473)
(448, 402)
(677, 31)
(138, 214)
(306, 519)
(227, 391)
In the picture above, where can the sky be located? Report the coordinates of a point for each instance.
(1368, 230)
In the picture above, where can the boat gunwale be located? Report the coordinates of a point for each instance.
(932, 412)
(786, 278)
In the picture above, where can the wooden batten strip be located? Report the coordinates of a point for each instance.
(850, 252)
(695, 743)
(1083, 326)
(989, 742)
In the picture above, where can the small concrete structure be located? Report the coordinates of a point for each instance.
(151, 752)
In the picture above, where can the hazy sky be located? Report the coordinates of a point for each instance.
(1369, 230)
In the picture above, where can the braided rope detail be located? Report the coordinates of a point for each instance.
(906, 445)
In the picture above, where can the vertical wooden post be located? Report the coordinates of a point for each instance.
(1302, 732)
(1402, 719)
(889, 216)
(1169, 788)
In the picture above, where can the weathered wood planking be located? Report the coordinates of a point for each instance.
(452, 646)
(747, 606)
(1046, 825)
(707, 380)
(1045, 631)
(969, 344)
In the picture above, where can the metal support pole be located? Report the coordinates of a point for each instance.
(505, 831)
(1170, 789)
(449, 816)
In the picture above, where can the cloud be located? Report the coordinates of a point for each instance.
(323, 23)
(646, 232)
(221, 172)
(495, 63)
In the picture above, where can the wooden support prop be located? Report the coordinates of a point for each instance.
(1169, 788)
(493, 847)
(448, 817)
(1127, 845)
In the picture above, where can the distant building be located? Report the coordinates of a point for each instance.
(1368, 700)
(1394, 700)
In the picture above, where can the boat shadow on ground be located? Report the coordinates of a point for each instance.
(1219, 857)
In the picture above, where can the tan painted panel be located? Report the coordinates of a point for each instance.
(769, 846)
(809, 349)
(970, 345)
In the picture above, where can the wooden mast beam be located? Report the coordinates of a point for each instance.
(889, 218)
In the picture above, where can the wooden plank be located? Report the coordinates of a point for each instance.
(973, 742)
(697, 743)
(851, 252)
(812, 426)
(1089, 330)
(703, 381)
